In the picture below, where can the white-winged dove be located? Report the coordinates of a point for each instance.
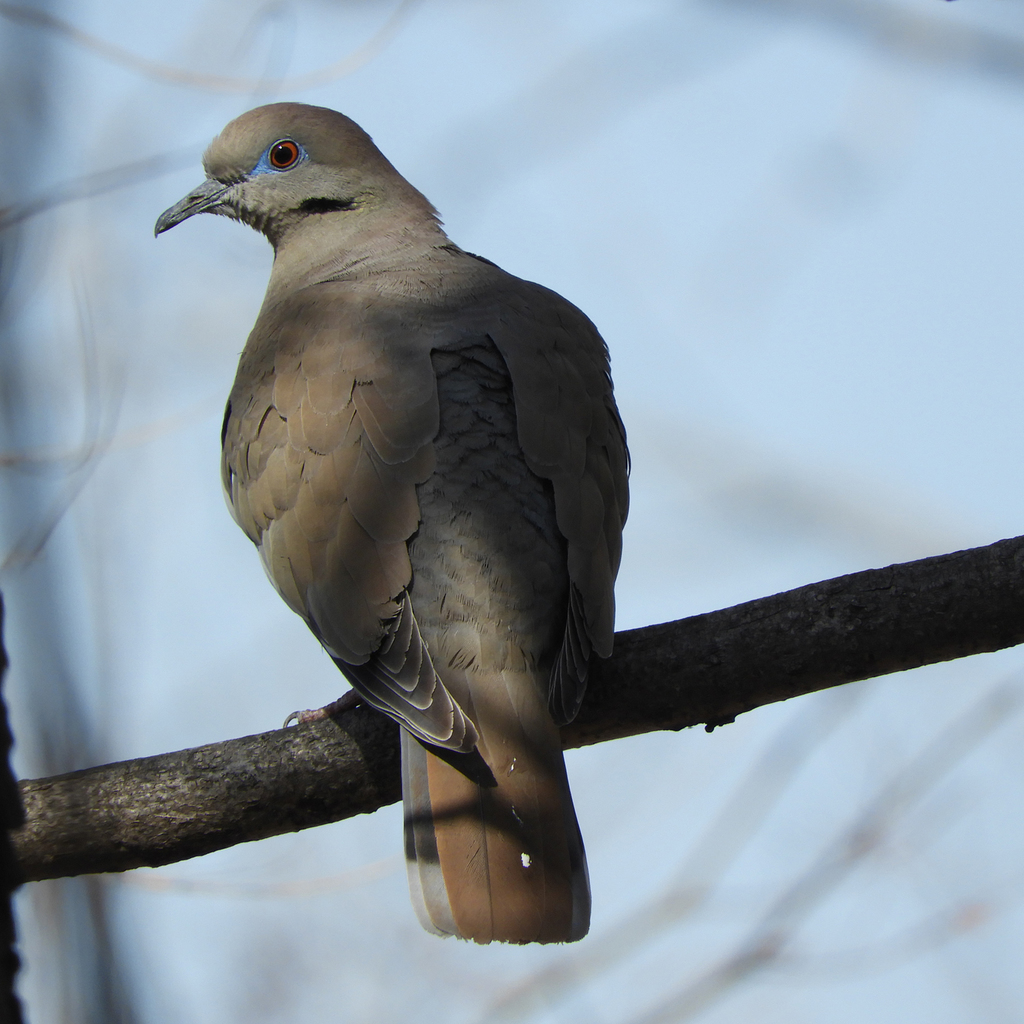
(426, 451)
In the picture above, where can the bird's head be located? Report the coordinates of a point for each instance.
(279, 165)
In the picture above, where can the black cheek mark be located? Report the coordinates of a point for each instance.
(326, 205)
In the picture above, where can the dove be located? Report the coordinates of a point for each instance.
(427, 453)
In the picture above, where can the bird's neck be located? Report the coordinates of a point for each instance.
(351, 244)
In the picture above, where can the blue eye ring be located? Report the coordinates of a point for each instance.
(279, 156)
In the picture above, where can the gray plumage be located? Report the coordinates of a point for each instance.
(427, 454)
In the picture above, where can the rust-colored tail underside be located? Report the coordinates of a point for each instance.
(503, 862)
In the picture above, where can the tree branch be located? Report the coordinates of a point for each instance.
(704, 669)
(11, 816)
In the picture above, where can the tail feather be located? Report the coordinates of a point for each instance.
(426, 880)
(500, 862)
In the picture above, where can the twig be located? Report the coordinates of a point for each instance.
(214, 83)
(771, 935)
(707, 862)
(264, 889)
(89, 185)
(930, 39)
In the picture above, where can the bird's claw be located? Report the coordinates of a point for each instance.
(344, 703)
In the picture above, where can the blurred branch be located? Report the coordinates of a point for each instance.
(89, 185)
(97, 431)
(37, 458)
(933, 39)
(11, 816)
(707, 862)
(887, 954)
(341, 882)
(705, 669)
(770, 937)
(213, 83)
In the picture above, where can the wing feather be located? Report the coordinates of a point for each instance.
(328, 432)
(571, 434)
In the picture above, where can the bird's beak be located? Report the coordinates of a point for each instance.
(206, 197)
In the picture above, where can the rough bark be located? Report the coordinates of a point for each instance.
(705, 669)
(12, 815)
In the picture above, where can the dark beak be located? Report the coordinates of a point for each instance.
(199, 200)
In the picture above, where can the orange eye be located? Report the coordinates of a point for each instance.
(284, 154)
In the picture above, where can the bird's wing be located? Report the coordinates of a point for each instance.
(328, 430)
(571, 434)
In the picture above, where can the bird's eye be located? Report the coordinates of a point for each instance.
(284, 154)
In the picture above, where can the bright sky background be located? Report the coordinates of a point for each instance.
(799, 224)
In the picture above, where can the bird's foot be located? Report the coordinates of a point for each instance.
(345, 702)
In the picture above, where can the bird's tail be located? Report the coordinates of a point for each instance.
(500, 861)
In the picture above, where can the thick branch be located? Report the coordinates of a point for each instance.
(705, 669)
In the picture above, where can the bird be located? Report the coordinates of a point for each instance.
(427, 453)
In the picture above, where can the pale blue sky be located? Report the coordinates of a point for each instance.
(804, 249)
